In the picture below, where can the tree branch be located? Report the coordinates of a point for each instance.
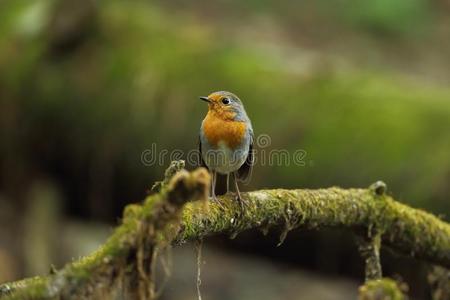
(369, 247)
(410, 231)
(382, 288)
(123, 266)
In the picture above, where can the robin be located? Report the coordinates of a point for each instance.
(226, 140)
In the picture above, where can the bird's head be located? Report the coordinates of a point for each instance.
(226, 106)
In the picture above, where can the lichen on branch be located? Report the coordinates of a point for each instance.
(380, 289)
(412, 232)
(122, 267)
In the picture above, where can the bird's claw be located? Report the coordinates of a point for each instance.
(217, 201)
(241, 202)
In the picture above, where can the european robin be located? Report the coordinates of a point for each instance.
(226, 140)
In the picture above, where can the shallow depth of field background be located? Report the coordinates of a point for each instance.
(86, 86)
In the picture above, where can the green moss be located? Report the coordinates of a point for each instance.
(157, 223)
(132, 211)
(409, 231)
(30, 288)
(380, 289)
(424, 231)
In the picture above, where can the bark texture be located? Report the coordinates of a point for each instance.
(123, 268)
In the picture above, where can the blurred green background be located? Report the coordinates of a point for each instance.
(86, 86)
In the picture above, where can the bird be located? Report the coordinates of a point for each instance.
(226, 141)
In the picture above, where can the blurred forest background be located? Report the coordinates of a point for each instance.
(86, 86)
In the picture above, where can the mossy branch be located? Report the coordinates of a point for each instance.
(369, 247)
(382, 288)
(123, 266)
(410, 231)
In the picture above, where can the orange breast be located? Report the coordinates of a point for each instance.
(217, 129)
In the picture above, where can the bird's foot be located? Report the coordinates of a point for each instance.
(217, 201)
(242, 203)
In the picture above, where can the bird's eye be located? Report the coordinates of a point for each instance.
(226, 101)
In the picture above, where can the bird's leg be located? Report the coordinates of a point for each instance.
(213, 189)
(213, 186)
(228, 183)
(238, 194)
(212, 183)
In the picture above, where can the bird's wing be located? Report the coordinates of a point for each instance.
(201, 162)
(245, 171)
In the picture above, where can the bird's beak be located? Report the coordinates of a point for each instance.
(205, 99)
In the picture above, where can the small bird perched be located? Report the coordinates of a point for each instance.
(226, 140)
